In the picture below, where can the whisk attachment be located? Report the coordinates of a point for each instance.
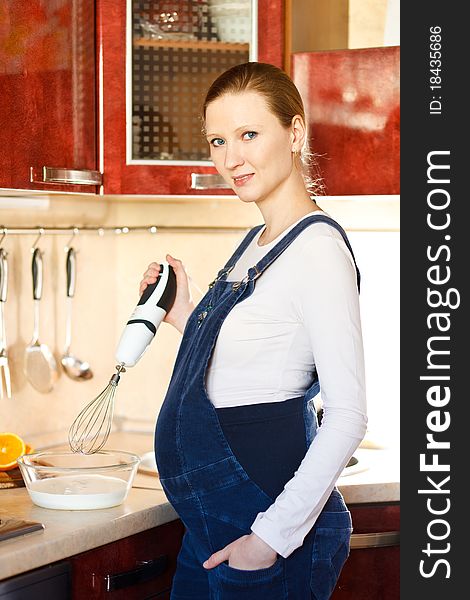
(91, 428)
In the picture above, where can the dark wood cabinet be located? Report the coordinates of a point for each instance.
(52, 582)
(136, 567)
(372, 571)
(47, 105)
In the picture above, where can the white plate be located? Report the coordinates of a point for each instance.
(148, 464)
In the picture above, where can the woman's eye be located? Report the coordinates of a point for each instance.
(251, 134)
(215, 142)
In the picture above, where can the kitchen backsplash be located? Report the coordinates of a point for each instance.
(109, 269)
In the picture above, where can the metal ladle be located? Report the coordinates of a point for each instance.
(74, 367)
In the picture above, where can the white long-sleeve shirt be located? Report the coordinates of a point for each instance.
(303, 314)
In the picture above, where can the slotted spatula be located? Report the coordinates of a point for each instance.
(40, 365)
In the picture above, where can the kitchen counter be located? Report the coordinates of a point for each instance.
(71, 532)
(376, 479)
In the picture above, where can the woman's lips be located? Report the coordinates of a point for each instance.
(243, 179)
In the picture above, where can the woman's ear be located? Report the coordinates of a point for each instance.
(298, 131)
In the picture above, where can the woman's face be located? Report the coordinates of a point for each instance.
(249, 146)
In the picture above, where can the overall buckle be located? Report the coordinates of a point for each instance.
(247, 278)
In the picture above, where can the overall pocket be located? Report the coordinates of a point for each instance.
(261, 584)
(329, 552)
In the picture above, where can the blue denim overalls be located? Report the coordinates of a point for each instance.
(209, 489)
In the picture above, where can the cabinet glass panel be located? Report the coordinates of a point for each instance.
(178, 49)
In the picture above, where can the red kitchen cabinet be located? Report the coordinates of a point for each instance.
(352, 105)
(139, 566)
(158, 58)
(372, 571)
(47, 103)
(74, 68)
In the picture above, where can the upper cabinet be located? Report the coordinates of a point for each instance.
(112, 89)
(345, 60)
(352, 105)
(158, 60)
(47, 103)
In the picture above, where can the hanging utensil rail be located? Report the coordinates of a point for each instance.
(101, 231)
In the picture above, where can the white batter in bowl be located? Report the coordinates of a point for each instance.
(69, 481)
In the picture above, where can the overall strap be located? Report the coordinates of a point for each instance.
(239, 251)
(286, 241)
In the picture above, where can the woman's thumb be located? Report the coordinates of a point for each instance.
(174, 262)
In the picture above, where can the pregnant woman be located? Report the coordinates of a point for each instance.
(239, 451)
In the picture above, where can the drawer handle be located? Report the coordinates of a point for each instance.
(375, 540)
(65, 176)
(207, 181)
(147, 570)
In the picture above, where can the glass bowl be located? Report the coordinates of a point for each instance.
(71, 481)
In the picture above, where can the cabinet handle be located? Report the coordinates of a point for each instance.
(207, 181)
(65, 176)
(147, 570)
(374, 540)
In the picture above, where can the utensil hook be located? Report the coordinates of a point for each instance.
(75, 231)
(4, 234)
(40, 234)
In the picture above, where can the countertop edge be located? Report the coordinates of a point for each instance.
(22, 559)
(368, 493)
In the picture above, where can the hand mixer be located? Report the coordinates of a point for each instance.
(92, 426)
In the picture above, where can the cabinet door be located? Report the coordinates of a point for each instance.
(51, 582)
(47, 103)
(372, 571)
(139, 566)
(159, 58)
(352, 102)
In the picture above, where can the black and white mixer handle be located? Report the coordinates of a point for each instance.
(152, 308)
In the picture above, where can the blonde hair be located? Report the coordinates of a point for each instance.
(283, 100)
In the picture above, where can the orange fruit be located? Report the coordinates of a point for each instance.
(11, 447)
(29, 449)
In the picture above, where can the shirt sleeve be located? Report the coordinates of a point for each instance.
(326, 299)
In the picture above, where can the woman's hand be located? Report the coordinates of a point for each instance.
(248, 553)
(183, 305)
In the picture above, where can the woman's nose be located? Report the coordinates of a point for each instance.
(233, 157)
